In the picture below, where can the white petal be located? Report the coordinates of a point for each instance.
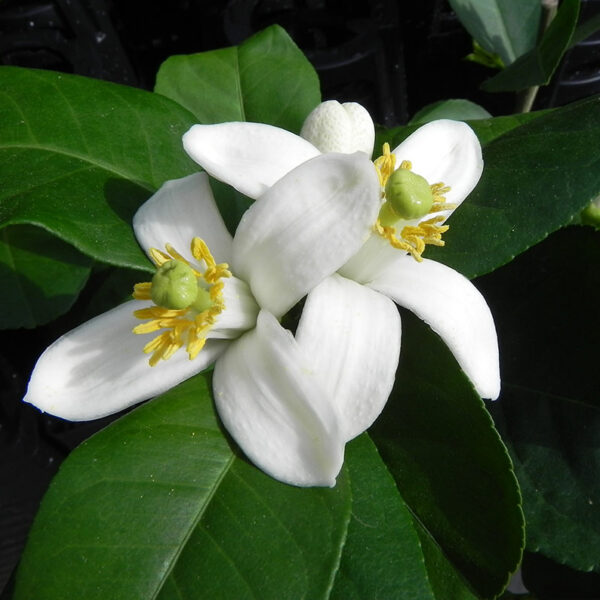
(444, 151)
(454, 309)
(275, 410)
(251, 157)
(179, 211)
(305, 227)
(240, 311)
(335, 127)
(350, 335)
(99, 368)
(374, 256)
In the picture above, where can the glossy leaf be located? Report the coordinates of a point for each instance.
(508, 28)
(382, 555)
(457, 109)
(549, 410)
(536, 179)
(40, 276)
(158, 505)
(78, 156)
(439, 443)
(266, 79)
(537, 66)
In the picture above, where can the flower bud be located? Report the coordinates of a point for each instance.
(335, 127)
(409, 194)
(174, 285)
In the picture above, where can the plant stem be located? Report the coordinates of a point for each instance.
(526, 98)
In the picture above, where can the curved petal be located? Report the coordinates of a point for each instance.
(251, 157)
(305, 227)
(179, 211)
(100, 368)
(454, 309)
(275, 409)
(240, 311)
(350, 334)
(335, 127)
(375, 255)
(444, 151)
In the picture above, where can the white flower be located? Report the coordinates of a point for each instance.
(296, 235)
(447, 155)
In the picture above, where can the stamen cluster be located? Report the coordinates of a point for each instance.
(186, 326)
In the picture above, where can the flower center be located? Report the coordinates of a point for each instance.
(186, 300)
(409, 196)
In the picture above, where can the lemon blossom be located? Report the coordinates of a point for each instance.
(218, 299)
(447, 156)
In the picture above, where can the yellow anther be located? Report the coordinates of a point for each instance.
(385, 165)
(182, 327)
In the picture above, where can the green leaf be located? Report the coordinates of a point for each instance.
(40, 276)
(158, 506)
(78, 156)
(458, 109)
(538, 65)
(545, 307)
(536, 178)
(267, 79)
(382, 555)
(446, 581)
(508, 28)
(439, 443)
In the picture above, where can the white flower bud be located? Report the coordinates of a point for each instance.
(335, 127)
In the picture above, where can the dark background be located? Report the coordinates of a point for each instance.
(392, 56)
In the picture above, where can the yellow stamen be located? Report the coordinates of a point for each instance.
(413, 238)
(184, 327)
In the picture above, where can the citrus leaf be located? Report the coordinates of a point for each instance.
(537, 66)
(449, 463)
(41, 276)
(78, 156)
(158, 505)
(267, 79)
(508, 28)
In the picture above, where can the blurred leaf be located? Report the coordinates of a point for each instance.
(452, 470)
(382, 555)
(545, 304)
(538, 65)
(508, 28)
(537, 177)
(458, 109)
(40, 275)
(585, 30)
(78, 156)
(158, 506)
(266, 79)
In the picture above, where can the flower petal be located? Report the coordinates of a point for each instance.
(444, 151)
(454, 309)
(100, 368)
(275, 409)
(240, 311)
(305, 227)
(251, 157)
(350, 335)
(335, 127)
(179, 211)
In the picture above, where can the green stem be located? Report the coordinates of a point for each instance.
(526, 98)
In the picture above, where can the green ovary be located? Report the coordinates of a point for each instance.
(408, 196)
(175, 286)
